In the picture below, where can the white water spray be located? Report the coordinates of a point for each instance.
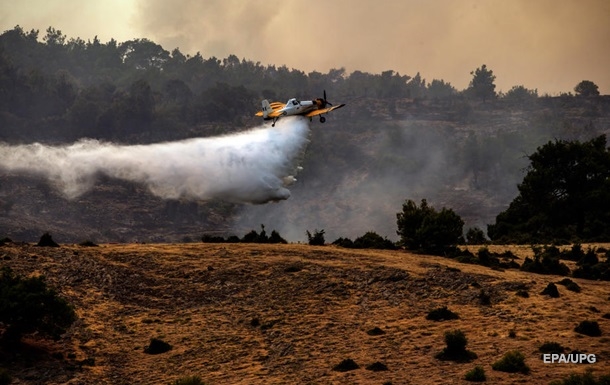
(254, 166)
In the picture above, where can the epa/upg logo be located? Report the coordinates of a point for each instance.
(573, 358)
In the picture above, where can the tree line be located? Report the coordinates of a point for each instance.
(55, 88)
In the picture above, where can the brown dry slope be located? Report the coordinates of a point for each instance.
(286, 314)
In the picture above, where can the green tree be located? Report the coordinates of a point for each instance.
(27, 305)
(521, 95)
(317, 238)
(565, 195)
(143, 54)
(482, 84)
(586, 88)
(423, 228)
(439, 89)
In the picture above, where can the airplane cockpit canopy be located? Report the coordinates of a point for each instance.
(293, 102)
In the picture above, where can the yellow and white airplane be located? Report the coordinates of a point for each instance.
(309, 108)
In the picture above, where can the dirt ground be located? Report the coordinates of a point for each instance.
(287, 314)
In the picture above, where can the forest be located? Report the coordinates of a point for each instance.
(400, 137)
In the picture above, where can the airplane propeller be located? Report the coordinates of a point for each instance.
(323, 102)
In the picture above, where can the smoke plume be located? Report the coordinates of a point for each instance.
(254, 166)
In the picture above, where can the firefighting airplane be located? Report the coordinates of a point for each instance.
(309, 108)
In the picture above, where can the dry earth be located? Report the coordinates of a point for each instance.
(287, 314)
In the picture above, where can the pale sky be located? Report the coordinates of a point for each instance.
(548, 45)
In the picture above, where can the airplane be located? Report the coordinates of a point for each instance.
(309, 108)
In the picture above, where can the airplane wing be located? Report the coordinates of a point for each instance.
(274, 106)
(323, 110)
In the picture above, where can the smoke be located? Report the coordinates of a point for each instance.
(539, 44)
(254, 166)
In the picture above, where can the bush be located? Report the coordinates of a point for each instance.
(551, 347)
(546, 261)
(376, 331)
(441, 314)
(570, 285)
(207, 238)
(586, 378)
(346, 365)
(251, 237)
(372, 240)
(377, 367)
(523, 293)
(276, 238)
(456, 348)
(512, 362)
(157, 346)
(551, 290)
(477, 374)
(317, 239)
(475, 236)
(484, 298)
(486, 258)
(588, 328)
(344, 242)
(189, 380)
(27, 305)
(46, 240)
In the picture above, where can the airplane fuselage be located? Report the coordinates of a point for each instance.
(296, 107)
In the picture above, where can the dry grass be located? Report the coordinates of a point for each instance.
(314, 306)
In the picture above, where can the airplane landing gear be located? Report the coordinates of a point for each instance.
(322, 119)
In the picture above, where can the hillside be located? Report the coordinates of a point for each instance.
(358, 169)
(262, 314)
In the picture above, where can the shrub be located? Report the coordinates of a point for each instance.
(486, 258)
(372, 240)
(189, 380)
(588, 328)
(475, 236)
(344, 242)
(157, 346)
(317, 238)
(46, 240)
(570, 285)
(346, 365)
(551, 347)
(523, 293)
(589, 258)
(551, 290)
(276, 238)
(586, 378)
(251, 237)
(377, 367)
(512, 362)
(441, 314)
(546, 261)
(376, 331)
(484, 298)
(27, 305)
(207, 238)
(456, 348)
(477, 374)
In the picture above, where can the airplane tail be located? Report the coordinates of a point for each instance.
(266, 108)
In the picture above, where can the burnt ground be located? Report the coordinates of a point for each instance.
(262, 314)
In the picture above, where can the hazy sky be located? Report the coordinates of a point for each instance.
(549, 45)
